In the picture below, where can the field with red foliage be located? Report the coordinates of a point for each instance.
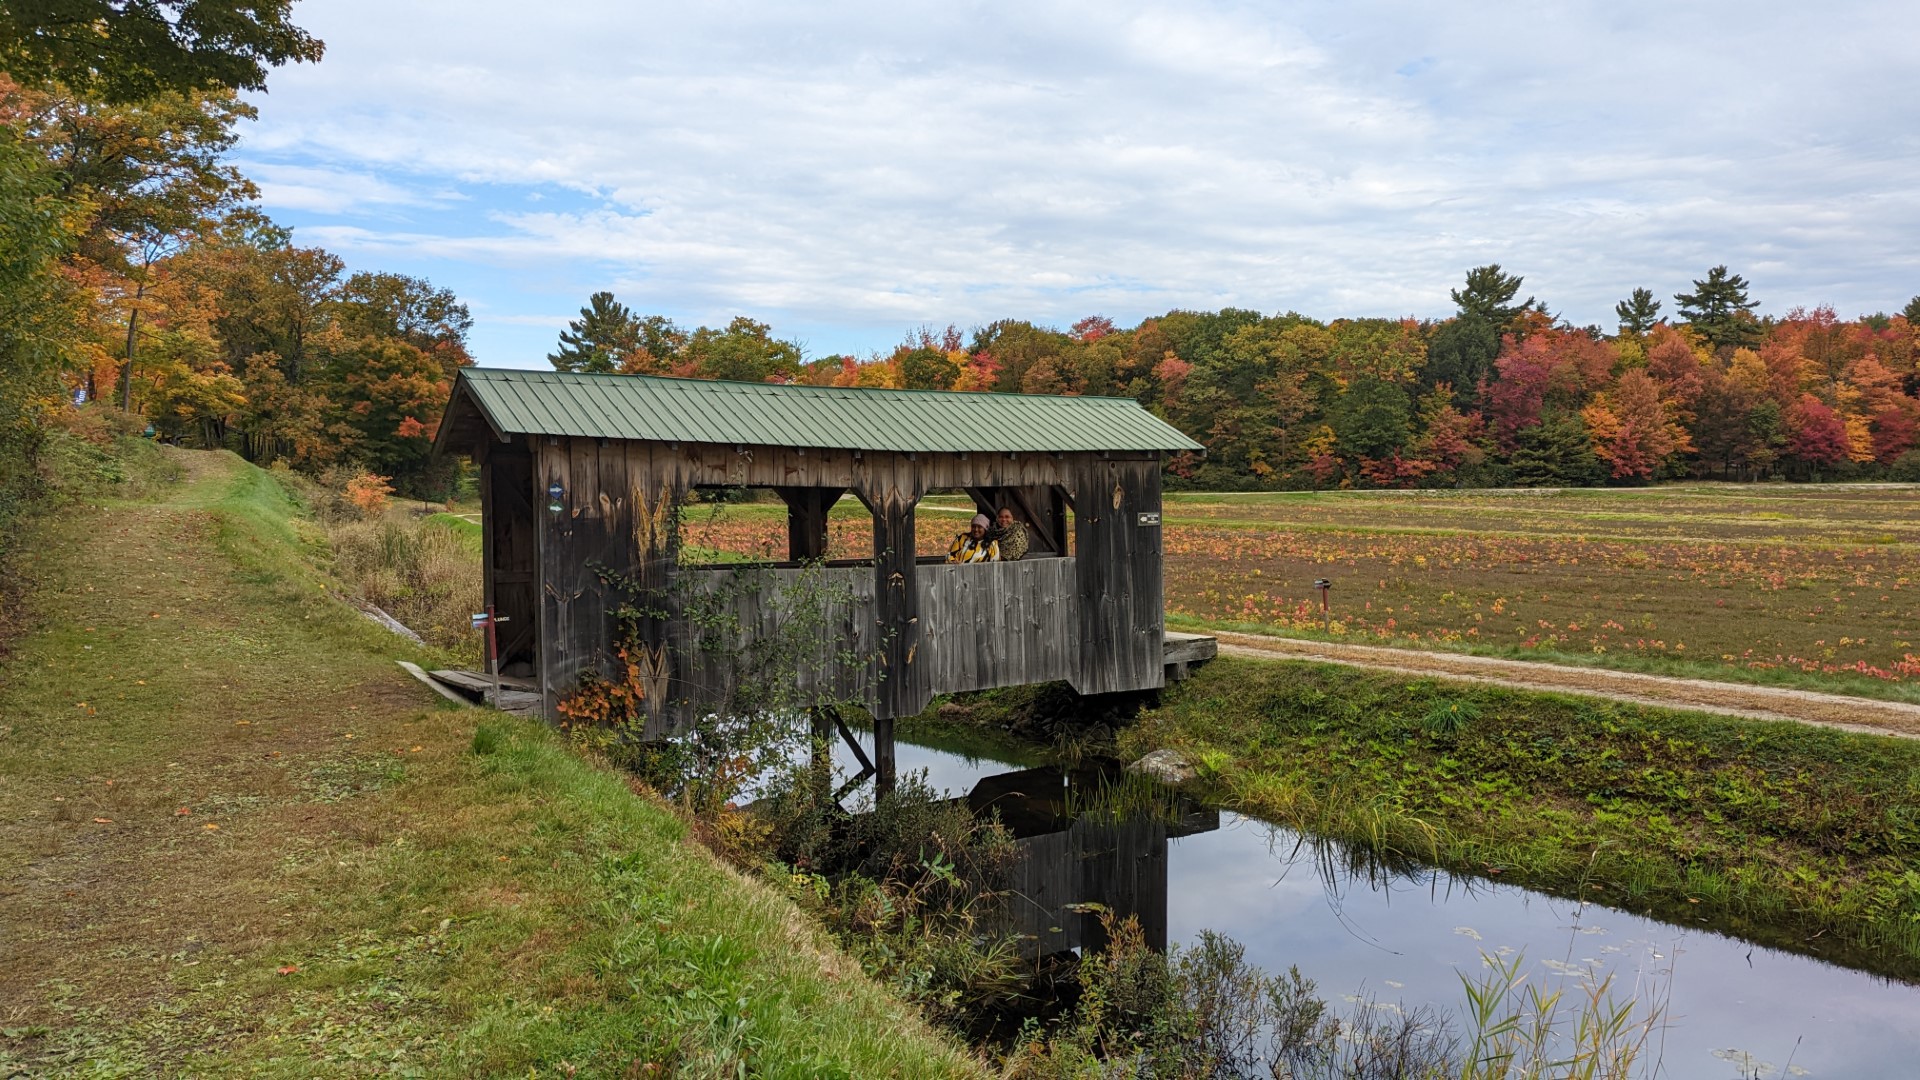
(1819, 581)
(1814, 582)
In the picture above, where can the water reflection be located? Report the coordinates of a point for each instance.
(1400, 931)
(1074, 864)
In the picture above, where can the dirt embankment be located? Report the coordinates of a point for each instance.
(1758, 702)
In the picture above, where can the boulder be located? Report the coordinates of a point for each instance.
(1166, 766)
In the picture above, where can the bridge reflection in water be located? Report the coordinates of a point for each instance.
(1088, 843)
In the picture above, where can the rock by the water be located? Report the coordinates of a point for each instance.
(1166, 766)
(954, 711)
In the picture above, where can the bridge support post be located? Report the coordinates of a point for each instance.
(883, 765)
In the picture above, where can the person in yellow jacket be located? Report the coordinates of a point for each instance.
(973, 545)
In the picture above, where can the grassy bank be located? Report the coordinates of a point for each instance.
(1800, 837)
(1796, 836)
(236, 839)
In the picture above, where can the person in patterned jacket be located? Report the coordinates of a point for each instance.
(973, 545)
(1010, 535)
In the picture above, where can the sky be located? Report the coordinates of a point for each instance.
(849, 172)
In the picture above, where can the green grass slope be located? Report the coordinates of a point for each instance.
(236, 839)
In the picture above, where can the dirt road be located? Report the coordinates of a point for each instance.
(1737, 699)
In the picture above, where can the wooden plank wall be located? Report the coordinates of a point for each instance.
(740, 626)
(986, 625)
(1122, 617)
(998, 624)
(616, 514)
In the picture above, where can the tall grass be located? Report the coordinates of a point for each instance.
(424, 573)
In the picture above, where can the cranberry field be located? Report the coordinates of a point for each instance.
(1811, 585)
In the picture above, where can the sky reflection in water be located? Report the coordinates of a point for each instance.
(1734, 1009)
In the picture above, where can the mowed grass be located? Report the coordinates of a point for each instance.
(1796, 836)
(235, 839)
(1812, 586)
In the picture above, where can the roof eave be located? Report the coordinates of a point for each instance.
(462, 391)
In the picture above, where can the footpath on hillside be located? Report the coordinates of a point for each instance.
(1735, 699)
(236, 838)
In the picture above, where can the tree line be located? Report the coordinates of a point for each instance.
(137, 273)
(1501, 393)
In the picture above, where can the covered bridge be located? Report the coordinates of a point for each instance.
(585, 474)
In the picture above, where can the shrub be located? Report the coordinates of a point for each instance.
(369, 493)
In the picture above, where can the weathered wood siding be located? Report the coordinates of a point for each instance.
(742, 624)
(989, 624)
(1117, 548)
(891, 488)
(998, 624)
(616, 516)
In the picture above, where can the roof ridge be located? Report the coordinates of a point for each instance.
(668, 409)
(747, 384)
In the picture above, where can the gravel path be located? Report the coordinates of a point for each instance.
(1735, 699)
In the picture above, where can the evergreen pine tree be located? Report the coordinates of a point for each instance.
(1912, 311)
(1719, 309)
(1556, 452)
(1489, 295)
(606, 331)
(1638, 313)
(1463, 348)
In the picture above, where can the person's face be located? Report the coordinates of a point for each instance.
(976, 530)
(1006, 518)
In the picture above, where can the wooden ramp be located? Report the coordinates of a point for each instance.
(1184, 652)
(520, 696)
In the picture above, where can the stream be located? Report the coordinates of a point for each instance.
(1733, 1009)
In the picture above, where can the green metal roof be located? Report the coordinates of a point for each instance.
(823, 417)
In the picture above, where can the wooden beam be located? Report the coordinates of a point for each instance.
(807, 510)
(891, 489)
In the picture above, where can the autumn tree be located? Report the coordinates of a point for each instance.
(122, 51)
(38, 308)
(1631, 429)
(153, 173)
(1818, 437)
(746, 351)
(410, 309)
(1015, 346)
(927, 369)
(1092, 328)
(1719, 309)
(1638, 313)
(661, 344)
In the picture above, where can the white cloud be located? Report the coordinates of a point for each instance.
(867, 165)
(332, 191)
